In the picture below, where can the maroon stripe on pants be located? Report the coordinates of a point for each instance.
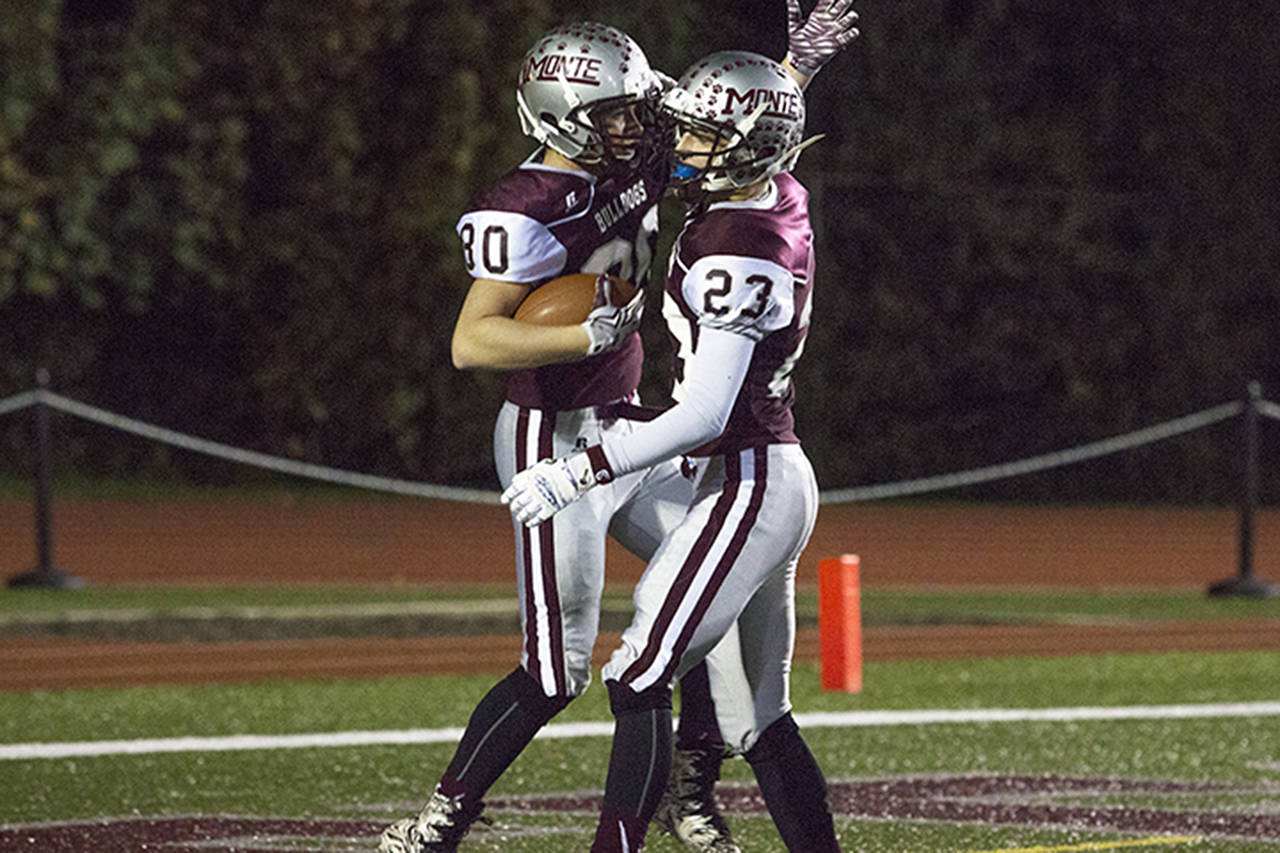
(547, 542)
(684, 578)
(526, 549)
(725, 565)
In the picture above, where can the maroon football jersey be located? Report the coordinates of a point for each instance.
(747, 267)
(538, 223)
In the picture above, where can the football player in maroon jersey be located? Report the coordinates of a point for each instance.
(719, 592)
(586, 201)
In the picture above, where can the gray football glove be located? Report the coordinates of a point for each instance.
(544, 488)
(608, 325)
(813, 43)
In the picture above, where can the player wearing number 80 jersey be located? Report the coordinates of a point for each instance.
(586, 201)
(539, 222)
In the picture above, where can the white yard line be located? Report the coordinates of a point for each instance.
(462, 607)
(1153, 841)
(848, 719)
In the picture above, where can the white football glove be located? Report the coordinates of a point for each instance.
(544, 488)
(813, 43)
(610, 325)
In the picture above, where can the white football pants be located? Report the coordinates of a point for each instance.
(721, 587)
(560, 563)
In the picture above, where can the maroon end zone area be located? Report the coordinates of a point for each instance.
(993, 800)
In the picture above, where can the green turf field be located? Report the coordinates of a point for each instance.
(1239, 756)
(1202, 783)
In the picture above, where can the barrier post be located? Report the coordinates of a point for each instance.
(44, 574)
(840, 623)
(1244, 583)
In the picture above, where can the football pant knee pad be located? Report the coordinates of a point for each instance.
(623, 700)
(775, 741)
(528, 691)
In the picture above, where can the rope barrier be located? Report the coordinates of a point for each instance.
(17, 402)
(1168, 429)
(900, 488)
(262, 460)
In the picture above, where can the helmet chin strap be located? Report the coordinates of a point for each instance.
(531, 126)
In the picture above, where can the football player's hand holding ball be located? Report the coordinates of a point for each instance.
(544, 488)
(813, 43)
(609, 325)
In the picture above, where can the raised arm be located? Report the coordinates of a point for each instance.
(814, 41)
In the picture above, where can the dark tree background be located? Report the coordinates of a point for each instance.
(1041, 223)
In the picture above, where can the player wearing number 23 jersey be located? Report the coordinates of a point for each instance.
(720, 589)
(746, 267)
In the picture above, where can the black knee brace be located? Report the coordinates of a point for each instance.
(640, 756)
(501, 726)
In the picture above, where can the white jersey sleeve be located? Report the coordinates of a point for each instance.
(509, 246)
(712, 382)
(747, 296)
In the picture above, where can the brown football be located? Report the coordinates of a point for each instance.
(568, 300)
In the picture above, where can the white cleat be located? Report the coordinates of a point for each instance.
(688, 807)
(437, 829)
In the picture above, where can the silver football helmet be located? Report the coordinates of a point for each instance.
(573, 79)
(750, 106)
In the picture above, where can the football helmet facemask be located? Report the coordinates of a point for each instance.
(746, 108)
(586, 90)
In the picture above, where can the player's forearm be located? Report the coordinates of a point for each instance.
(500, 343)
(713, 379)
(678, 430)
